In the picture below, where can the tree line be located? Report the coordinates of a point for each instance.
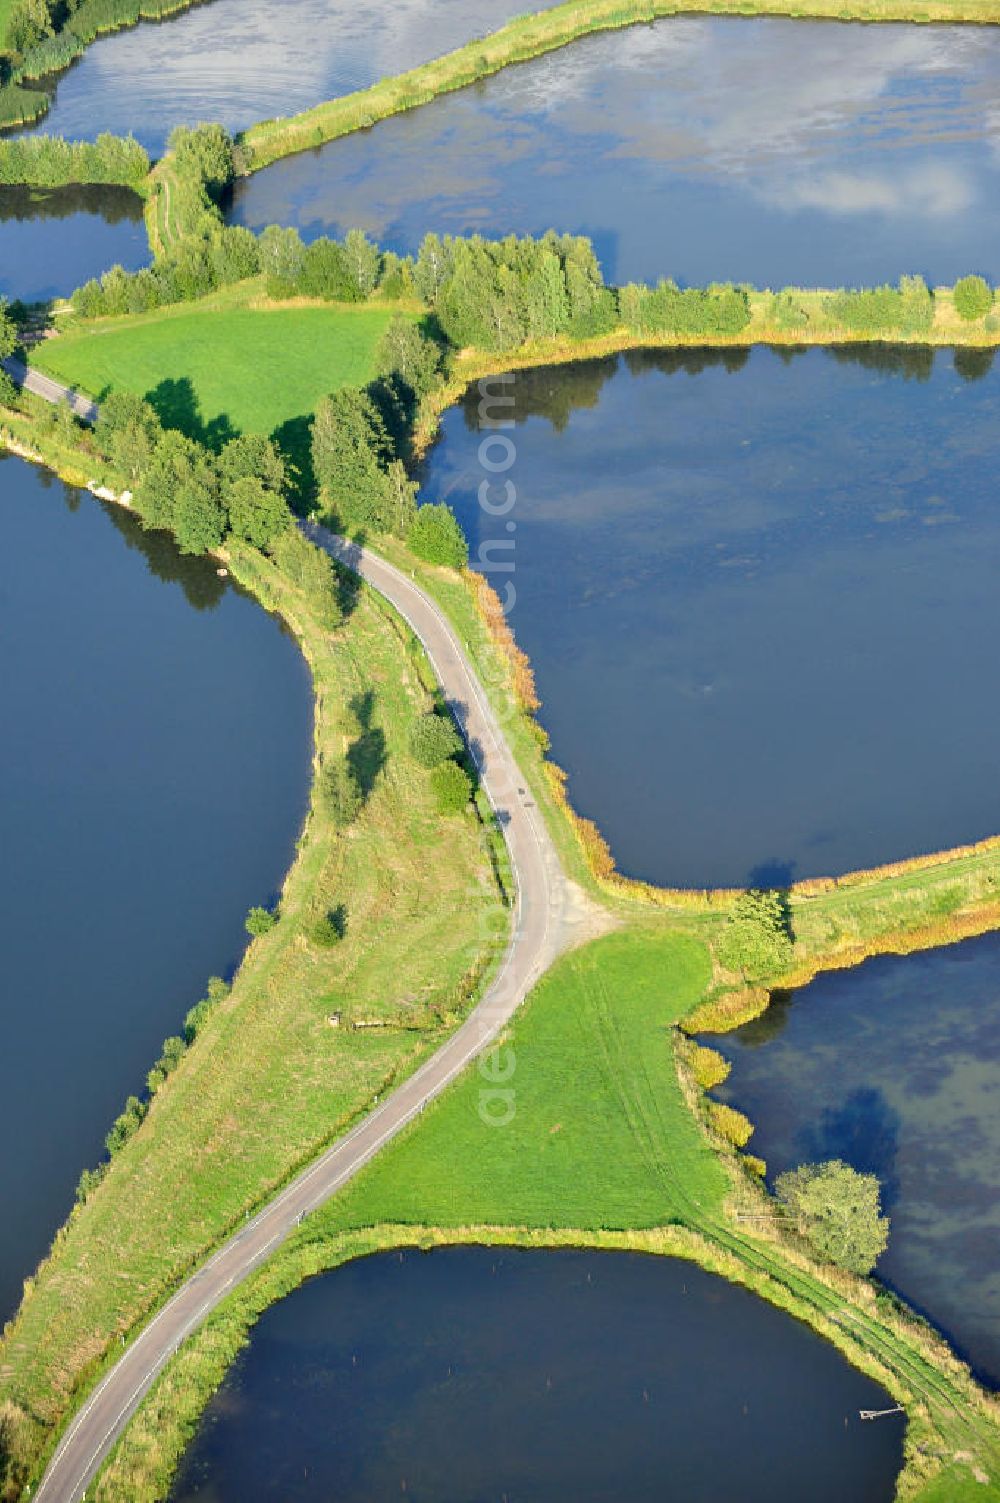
(51, 162)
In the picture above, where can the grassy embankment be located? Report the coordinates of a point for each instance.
(533, 35)
(605, 1151)
(269, 1081)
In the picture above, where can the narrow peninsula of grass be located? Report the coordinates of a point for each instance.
(546, 31)
(269, 1079)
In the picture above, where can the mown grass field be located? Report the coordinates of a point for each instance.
(601, 1136)
(602, 1150)
(219, 366)
(269, 1081)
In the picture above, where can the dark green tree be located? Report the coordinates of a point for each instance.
(177, 464)
(128, 431)
(327, 273)
(364, 260)
(405, 351)
(198, 522)
(8, 330)
(434, 739)
(351, 453)
(256, 514)
(251, 456)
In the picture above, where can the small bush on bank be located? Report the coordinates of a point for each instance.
(973, 298)
(452, 787)
(125, 1125)
(260, 921)
(433, 739)
(198, 1015)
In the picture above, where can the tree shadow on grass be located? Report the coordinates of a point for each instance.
(367, 754)
(293, 441)
(175, 402)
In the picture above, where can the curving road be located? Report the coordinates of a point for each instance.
(52, 391)
(551, 914)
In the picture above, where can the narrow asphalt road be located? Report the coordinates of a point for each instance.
(52, 391)
(551, 914)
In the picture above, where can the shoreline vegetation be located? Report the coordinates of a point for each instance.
(546, 31)
(41, 38)
(360, 916)
(35, 49)
(55, 1349)
(261, 1080)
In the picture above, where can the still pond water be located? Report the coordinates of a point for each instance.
(894, 1069)
(53, 241)
(760, 597)
(759, 150)
(155, 763)
(536, 1377)
(239, 61)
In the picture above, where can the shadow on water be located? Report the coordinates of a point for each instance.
(198, 577)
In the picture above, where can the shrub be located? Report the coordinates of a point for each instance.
(330, 929)
(973, 298)
(260, 921)
(433, 739)
(838, 1212)
(8, 391)
(125, 1125)
(730, 1124)
(707, 1066)
(88, 1182)
(341, 793)
(757, 941)
(452, 787)
(436, 537)
(198, 1015)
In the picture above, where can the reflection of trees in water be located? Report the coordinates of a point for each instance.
(864, 1132)
(686, 362)
(771, 1023)
(113, 205)
(555, 392)
(972, 364)
(914, 362)
(202, 587)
